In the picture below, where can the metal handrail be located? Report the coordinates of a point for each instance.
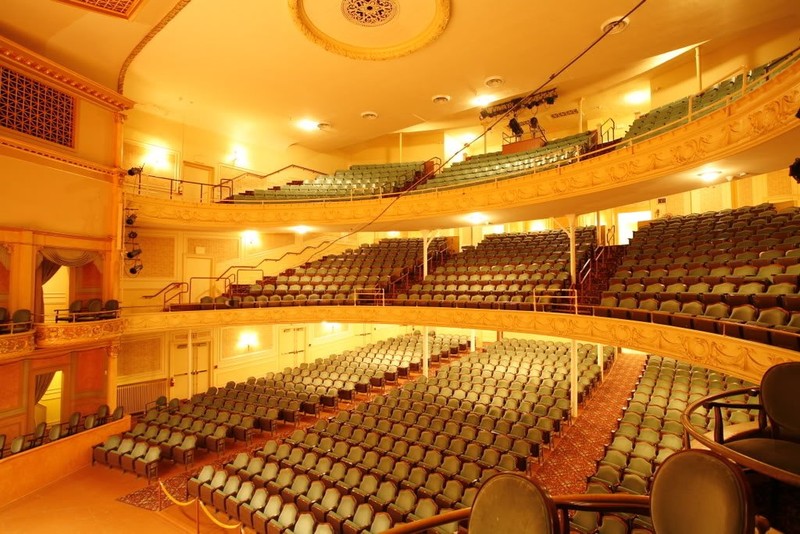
(770, 470)
(611, 503)
(571, 297)
(285, 254)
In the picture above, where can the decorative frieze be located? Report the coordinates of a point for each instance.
(60, 334)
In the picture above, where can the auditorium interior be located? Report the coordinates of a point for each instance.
(366, 266)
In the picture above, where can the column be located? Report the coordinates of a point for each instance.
(600, 357)
(111, 374)
(426, 351)
(573, 379)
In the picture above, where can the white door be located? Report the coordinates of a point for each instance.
(189, 372)
(292, 346)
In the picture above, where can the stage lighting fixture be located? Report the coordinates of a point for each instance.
(133, 171)
(130, 219)
(136, 268)
(798, 113)
(534, 123)
(794, 170)
(516, 129)
(132, 235)
(550, 100)
(133, 253)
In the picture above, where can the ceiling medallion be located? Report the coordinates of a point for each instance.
(330, 25)
(369, 12)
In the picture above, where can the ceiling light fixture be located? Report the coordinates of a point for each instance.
(482, 100)
(369, 115)
(709, 176)
(300, 229)
(324, 126)
(477, 218)
(441, 99)
(614, 25)
(494, 81)
(308, 125)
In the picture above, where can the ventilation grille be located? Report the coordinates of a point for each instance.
(134, 397)
(118, 8)
(564, 113)
(32, 108)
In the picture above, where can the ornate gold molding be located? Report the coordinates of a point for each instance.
(314, 34)
(738, 357)
(39, 67)
(56, 334)
(14, 345)
(57, 156)
(155, 30)
(757, 118)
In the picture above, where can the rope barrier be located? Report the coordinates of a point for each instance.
(173, 499)
(217, 521)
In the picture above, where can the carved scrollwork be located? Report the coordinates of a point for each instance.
(52, 335)
(13, 345)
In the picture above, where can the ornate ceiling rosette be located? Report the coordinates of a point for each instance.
(369, 12)
(371, 29)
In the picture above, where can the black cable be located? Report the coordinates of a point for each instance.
(513, 109)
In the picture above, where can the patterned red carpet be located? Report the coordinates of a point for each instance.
(152, 498)
(565, 469)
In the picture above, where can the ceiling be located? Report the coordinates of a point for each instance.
(249, 69)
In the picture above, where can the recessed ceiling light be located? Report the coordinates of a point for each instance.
(709, 176)
(614, 25)
(441, 99)
(494, 81)
(637, 97)
(307, 125)
(477, 218)
(369, 115)
(482, 100)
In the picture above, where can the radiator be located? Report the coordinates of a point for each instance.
(134, 397)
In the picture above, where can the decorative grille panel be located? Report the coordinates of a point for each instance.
(120, 8)
(35, 109)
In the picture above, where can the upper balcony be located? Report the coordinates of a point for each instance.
(756, 131)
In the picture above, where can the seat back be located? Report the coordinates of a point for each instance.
(507, 501)
(778, 395)
(699, 491)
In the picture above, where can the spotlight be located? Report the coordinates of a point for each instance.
(134, 171)
(794, 170)
(136, 268)
(130, 219)
(534, 123)
(132, 235)
(133, 253)
(550, 100)
(798, 113)
(516, 129)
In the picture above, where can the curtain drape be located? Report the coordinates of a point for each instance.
(69, 257)
(50, 260)
(42, 383)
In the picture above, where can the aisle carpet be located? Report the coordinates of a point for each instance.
(565, 469)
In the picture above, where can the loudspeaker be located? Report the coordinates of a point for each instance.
(516, 129)
(794, 170)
